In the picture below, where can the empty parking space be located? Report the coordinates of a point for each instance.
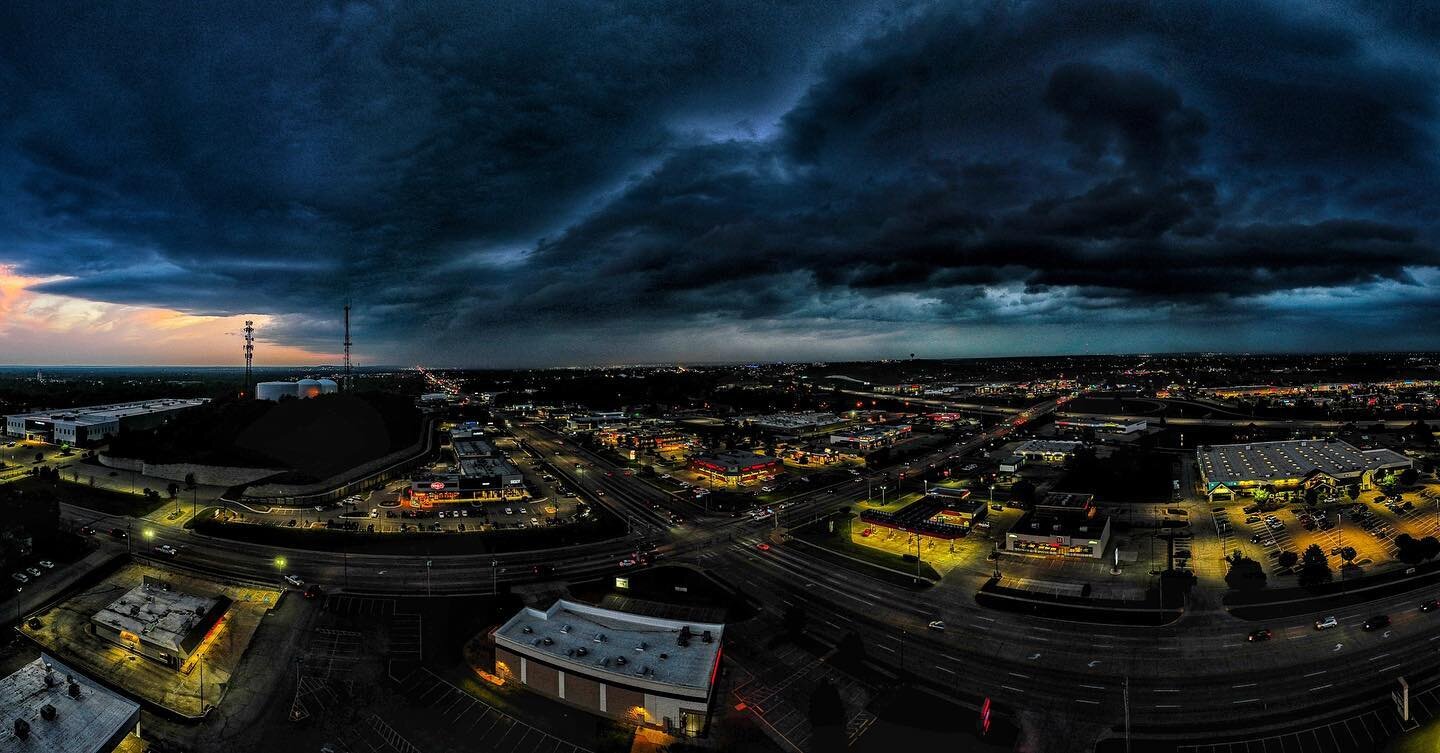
(359, 606)
(481, 725)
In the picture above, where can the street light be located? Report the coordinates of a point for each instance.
(280, 562)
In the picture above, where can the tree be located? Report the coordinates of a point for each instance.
(1023, 491)
(1429, 547)
(1245, 574)
(1314, 567)
(794, 619)
(189, 481)
(1348, 553)
(1288, 559)
(173, 489)
(1262, 495)
(1408, 476)
(826, 707)
(1408, 550)
(1387, 482)
(1353, 492)
(851, 648)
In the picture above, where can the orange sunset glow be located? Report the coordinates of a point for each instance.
(39, 327)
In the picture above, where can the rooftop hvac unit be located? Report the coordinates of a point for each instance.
(47, 712)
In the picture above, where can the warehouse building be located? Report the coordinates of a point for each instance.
(1232, 470)
(160, 622)
(1102, 426)
(83, 427)
(798, 424)
(638, 669)
(51, 708)
(1064, 524)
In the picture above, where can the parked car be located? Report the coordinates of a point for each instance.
(294, 581)
(1325, 623)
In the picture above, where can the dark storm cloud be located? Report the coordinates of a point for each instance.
(469, 172)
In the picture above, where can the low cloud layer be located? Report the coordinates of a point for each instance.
(550, 183)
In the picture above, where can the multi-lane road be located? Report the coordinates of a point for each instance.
(1184, 676)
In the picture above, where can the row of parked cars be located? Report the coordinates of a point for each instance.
(23, 576)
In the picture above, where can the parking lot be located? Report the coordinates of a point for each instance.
(443, 706)
(779, 692)
(1367, 526)
(1360, 733)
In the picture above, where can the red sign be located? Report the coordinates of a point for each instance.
(437, 485)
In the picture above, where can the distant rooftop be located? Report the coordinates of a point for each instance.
(164, 617)
(472, 448)
(473, 467)
(796, 420)
(1290, 459)
(1047, 446)
(91, 723)
(100, 414)
(627, 647)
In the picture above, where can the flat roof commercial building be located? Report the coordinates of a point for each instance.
(1047, 450)
(734, 468)
(91, 425)
(1064, 524)
(868, 439)
(160, 622)
(643, 670)
(482, 474)
(1102, 426)
(798, 424)
(1231, 470)
(60, 710)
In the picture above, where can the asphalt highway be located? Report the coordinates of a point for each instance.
(1195, 672)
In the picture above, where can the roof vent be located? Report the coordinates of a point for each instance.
(620, 661)
(642, 646)
(547, 640)
(707, 637)
(564, 628)
(599, 638)
(47, 712)
(22, 729)
(581, 651)
(527, 629)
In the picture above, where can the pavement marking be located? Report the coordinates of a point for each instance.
(1245, 685)
(1248, 700)
(1033, 657)
(987, 619)
(1322, 687)
(1316, 672)
(943, 669)
(1104, 645)
(1007, 687)
(1378, 656)
(887, 648)
(1387, 669)
(978, 626)
(1087, 700)
(1167, 705)
(1017, 674)
(1092, 663)
(1094, 687)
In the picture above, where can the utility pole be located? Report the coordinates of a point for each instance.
(494, 577)
(1127, 713)
(427, 578)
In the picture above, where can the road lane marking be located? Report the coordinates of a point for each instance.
(887, 648)
(1316, 672)
(943, 669)
(1378, 656)
(1094, 687)
(1245, 685)
(1387, 669)
(1087, 700)
(1322, 687)
(1247, 700)
(1017, 674)
(1007, 687)
(1167, 706)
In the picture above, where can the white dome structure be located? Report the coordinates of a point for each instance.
(307, 388)
(328, 386)
(273, 391)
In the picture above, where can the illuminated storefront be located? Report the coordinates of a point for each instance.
(735, 468)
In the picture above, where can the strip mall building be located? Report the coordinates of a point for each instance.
(735, 468)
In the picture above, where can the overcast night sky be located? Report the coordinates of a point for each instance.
(551, 183)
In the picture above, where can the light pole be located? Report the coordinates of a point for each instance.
(494, 577)
(427, 578)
